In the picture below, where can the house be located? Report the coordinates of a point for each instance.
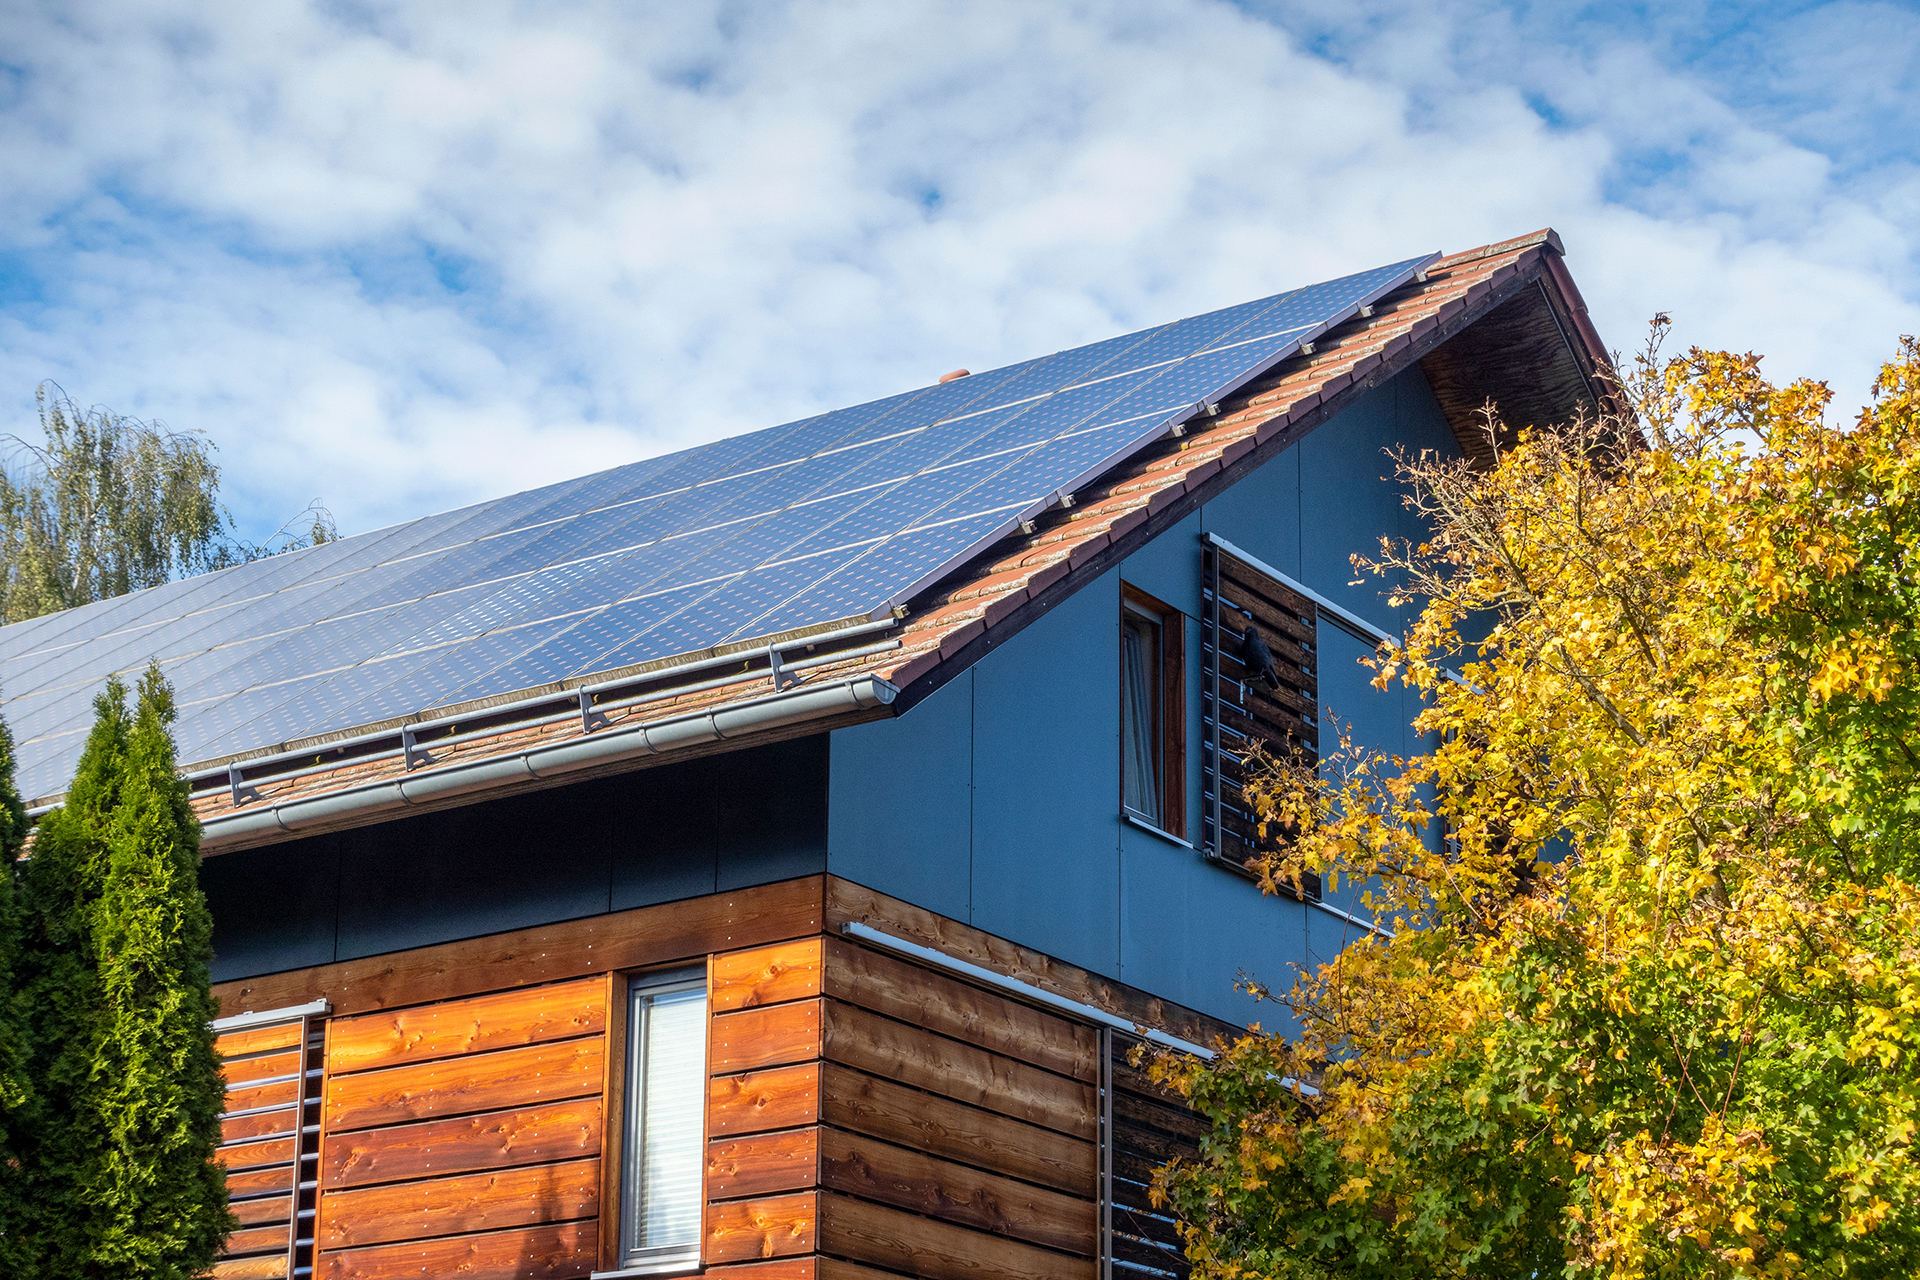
(760, 860)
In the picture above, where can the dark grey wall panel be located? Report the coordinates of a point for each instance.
(771, 818)
(659, 835)
(463, 872)
(272, 912)
(664, 833)
(1187, 930)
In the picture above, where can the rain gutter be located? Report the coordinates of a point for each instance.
(552, 760)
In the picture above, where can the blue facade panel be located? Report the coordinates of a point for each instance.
(1045, 762)
(900, 803)
(1051, 864)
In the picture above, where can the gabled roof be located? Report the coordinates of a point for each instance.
(838, 658)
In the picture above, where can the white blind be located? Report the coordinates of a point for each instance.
(665, 1108)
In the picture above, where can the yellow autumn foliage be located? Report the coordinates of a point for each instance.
(1651, 1001)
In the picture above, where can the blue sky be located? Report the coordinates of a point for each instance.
(398, 258)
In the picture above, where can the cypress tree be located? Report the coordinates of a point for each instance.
(116, 1153)
(159, 1200)
(61, 1007)
(15, 1089)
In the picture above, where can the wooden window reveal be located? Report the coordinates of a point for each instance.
(1153, 710)
(1241, 705)
(270, 1144)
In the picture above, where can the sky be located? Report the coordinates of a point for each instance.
(398, 258)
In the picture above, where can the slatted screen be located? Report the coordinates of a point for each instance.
(1237, 712)
(270, 1143)
(1143, 1127)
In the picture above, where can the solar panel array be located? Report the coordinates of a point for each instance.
(833, 517)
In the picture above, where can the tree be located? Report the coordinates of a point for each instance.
(118, 1156)
(1651, 999)
(15, 1083)
(109, 504)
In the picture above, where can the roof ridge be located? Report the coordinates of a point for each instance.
(1545, 235)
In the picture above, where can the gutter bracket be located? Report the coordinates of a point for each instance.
(782, 678)
(415, 754)
(237, 783)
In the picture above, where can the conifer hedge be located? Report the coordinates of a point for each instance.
(115, 1115)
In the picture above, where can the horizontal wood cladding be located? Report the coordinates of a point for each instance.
(910, 993)
(463, 1137)
(756, 1038)
(505, 1020)
(539, 1253)
(252, 1155)
(257, 1182)
(887, 1118)
(896, 1051)
(882, 1236)
(906, 1179)
(845, 1033)
(645, 936)
(548, 1072)
(780, 1226)
(955, 1131)
(267, 1066)
(849, 903)
(269, 1143)
(814, 1092)
(265, 1124)
(1151, 1125)
(497, 1139)
(813, 1268)
(763, 1163)
(453, 1206)
(868, 1116)
(257, 1040)
(762, 1100)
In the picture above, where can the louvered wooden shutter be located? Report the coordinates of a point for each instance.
(270, 1139)
(1235, 715)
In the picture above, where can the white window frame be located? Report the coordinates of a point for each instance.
(637, 1258)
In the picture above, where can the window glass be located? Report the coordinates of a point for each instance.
(1140, 741)
(666, 1070)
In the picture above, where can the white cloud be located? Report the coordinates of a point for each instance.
(404, 257)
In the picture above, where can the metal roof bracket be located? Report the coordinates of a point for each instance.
(416, 755)
(782, 678)
(589, 718)
(237, 782)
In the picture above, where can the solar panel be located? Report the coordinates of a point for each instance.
(841, 515)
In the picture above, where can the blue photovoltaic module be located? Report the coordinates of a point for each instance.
(841, 516)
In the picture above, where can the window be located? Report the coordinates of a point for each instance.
(665, 1108)
(1152, 713)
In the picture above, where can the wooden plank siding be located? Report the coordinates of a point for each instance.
(882, 1116)
(464, 1136)
(868, 1117)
